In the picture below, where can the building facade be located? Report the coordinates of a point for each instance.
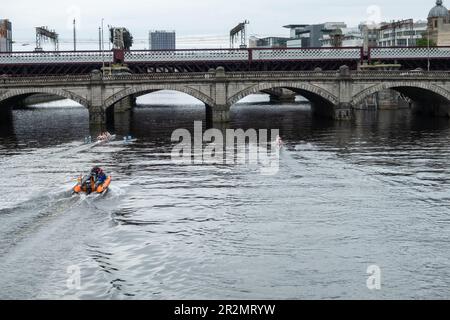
(345, 37)
(162, 40)
(311, 36)
(5, 36)
(404, 33)
(438, 28)
(369, 34)
(269, 42)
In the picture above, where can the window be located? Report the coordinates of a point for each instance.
(402, 42)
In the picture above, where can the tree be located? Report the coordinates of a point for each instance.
(121, 38)
(424, 42)
(127, 40)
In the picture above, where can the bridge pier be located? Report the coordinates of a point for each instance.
(340, 112)
(218, 114)
(220, 111)
(5, 114)
(124, 105)
(122, 123)
(97, 116)
(343, 112)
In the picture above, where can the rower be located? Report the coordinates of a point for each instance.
(279, 141)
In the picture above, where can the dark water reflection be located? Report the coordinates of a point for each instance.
(348, 195)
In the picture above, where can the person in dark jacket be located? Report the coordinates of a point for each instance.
(98, 175)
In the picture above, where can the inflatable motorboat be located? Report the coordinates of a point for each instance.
(82, 186)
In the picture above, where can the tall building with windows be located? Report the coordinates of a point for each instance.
(404, 33)
(162, 40)
(308, 36)
(5, 35)
(345, 37)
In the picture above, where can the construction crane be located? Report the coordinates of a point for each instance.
(240, 29)
(43, 34)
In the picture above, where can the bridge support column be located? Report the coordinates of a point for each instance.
(124, 105)
(5, 114)
(343, 111)
(218, 114)
(220, 111)
(122, 123)
(97, 116)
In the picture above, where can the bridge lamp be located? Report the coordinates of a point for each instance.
(428, 41)
(103, 49)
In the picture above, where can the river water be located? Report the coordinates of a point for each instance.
(347, 196)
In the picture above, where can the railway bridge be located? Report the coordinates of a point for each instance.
(232, 60)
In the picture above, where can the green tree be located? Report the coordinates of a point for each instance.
(424, 42)
(128, 40)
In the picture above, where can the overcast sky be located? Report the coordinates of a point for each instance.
(198, 23)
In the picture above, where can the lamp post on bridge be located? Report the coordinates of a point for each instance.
(74, 35)
(99, 39)
(428, 41)
(103, 49)
(109, 42)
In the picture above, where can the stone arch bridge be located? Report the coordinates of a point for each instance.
(331, 93)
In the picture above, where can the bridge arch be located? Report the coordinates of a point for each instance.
(311, 92)
(416, 91)
(145, 89)
(12, 93)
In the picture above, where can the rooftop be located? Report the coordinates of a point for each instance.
(439, 11)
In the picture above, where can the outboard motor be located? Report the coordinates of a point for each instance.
(86, 182)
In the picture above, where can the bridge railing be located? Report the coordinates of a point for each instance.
(56, 57)
(87, 77)
(244, 76)
(160, 76)
(405, 53)
(44, 79)
(187, 55)
(421, 74)
(224, 55)
(194, 55)
(343, 53)
(252, 54)
(280, 74)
